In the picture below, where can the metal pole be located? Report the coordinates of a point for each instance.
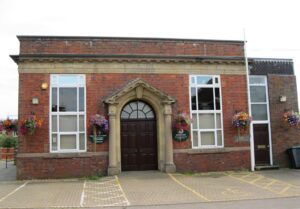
(249, 104)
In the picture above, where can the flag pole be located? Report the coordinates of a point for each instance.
(249, 104)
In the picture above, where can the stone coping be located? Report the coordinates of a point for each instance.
(61, 155)
(211, 150)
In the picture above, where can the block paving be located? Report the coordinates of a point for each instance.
(150, 188)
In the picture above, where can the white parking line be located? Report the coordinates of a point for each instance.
(124, 195)
(17, 189)
(82, 195)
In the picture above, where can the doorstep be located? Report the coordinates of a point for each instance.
(266, 167)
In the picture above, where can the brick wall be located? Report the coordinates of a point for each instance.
(68, 45)
(219, 161)
(283, 136)
(100, 86)
(61, 167)
(30, 87)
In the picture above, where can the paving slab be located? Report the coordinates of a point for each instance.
(45, 194)
(154, 187)
(8, 187)
(150, 188)
(291, 176)
(280, 186)
(105, 192)
(223, 187)
(9, 173)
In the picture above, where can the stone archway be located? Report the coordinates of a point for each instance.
(161, 104)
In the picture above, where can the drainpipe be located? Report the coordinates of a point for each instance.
(249, 104)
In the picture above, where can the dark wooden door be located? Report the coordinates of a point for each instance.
(138, 144)
(261, 144)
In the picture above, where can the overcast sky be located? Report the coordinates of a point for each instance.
(272, 27)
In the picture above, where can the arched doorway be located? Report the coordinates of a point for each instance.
(138, 137)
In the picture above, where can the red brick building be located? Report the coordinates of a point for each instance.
(140, 83)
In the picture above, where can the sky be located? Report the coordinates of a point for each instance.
(272, 27)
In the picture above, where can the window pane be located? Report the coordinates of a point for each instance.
(150, 114)
(54, 123)
(141, 105)
(204, 80)
(218, 118)
(67, 80)
(141, 114)
(133, 114)
(82, 141)
(68, 123)
(193, 80)
(146, 108)
(259, 111)
(68, 99)
(207, 138)
(54, 99)
(54, 142)
(219, 138)
(205, 99)
(195, 123)
(206, 121)
(257, 80)
(195, 139)
(81, 123)
(124, 115)
(127, 108)
(81, 80)
(81, 99)
(133, 105)
(193, 98)
(217, 98)
(216, 80)
(54, 79)
(258, 93)
(67, 141)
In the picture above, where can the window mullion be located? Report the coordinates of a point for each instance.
(58, 116)
(215, 119)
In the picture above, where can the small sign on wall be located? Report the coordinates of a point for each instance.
(180, 135)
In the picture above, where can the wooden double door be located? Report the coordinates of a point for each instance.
(138, 138)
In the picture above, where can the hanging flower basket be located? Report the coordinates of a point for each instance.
(181, 127)
(100, 129)
(241, 120)
(9, 125)
(30, 125)
(292, 118)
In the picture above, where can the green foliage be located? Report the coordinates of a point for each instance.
(8, 141)
(2, 137)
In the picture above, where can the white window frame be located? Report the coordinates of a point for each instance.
(215, 112)
(78, 113)
(265, 84)
(268, 121)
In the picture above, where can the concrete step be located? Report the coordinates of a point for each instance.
(266, 167)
